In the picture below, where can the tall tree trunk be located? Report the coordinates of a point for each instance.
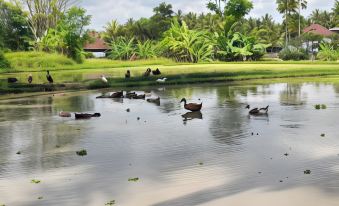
(286, 24)
(299, 2)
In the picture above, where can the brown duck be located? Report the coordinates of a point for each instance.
(117, 94)
(191, 106)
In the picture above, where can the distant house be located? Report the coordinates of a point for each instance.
(335, 30)
(318, 30)
(322, 32)
(98, 47)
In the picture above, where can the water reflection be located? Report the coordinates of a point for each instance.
(191, 116)
(237, 153)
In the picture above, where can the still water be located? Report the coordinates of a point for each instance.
(181, 159)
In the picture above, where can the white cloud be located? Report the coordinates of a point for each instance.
(104, 11)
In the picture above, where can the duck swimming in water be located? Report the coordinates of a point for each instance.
(191, 106)
(257, 111)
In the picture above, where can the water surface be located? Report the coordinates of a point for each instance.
(219, 157)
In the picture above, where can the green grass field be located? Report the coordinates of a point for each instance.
(64, 71)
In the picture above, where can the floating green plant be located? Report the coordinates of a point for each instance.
(35, 181)
(320, 106)
(307, 172)
(40, 198)
(112, 202)
(133, 179)
(322, 135)
(82, 152)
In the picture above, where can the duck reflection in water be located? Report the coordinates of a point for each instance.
(191, 116)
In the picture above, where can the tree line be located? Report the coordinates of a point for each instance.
(224, 33)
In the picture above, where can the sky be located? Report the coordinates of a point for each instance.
(103, 11)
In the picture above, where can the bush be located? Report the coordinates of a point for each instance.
(328, 53)
(293, 54)
(4, 63)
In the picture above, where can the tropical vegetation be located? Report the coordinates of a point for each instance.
(225, 33)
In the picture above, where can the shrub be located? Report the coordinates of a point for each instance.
(122, 49)
(185, 45)
(328, 53)
(4, 63)
(292, 53)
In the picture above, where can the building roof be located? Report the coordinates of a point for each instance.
(318, 29)
(98, 44)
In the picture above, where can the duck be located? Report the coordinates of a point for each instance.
(30, 79)
(117, 94)
(148, 72)
(103, 79)
(12, 80)
(154, 100)
(257, 111)
(162, 80)
(194, 107)
(86, 116)
(49, 77)
(65, 114)
(128, 74)
(140, 96)
(156, 72)
(130, 95)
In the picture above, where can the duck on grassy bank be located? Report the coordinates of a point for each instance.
(49, 78)
(12, 80)
(103, 79)
(194, 107)
(162, 80)
(156, 72)
(30, 79)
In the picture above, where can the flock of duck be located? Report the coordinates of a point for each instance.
(193, 107)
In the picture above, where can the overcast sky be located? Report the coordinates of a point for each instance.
(103, 11)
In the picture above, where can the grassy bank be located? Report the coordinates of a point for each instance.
(69, 75)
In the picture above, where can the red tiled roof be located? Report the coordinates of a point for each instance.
(318, 29)
(98, 44)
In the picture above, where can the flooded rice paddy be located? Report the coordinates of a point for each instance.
(139, 153)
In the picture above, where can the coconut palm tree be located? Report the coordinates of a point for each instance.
(287, 7)
(302, 4)
(111, 30)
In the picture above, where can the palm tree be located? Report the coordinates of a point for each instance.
(302, 4)
(111, 30)
(287, 7)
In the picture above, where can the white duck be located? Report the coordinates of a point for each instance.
(103, 79)
(162, 80)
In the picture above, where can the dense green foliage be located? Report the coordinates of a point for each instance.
(4, 63)
(14, 31)
(328, 53)
(185, 45)
(69, 36)
(224, 34)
